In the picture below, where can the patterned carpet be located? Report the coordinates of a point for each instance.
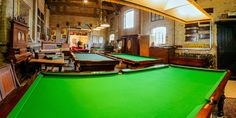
(230, 107)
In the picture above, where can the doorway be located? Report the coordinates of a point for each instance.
(226, 33)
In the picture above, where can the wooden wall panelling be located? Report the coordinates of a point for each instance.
(164, 53)
(189, 61)
(135, 45)
(144, 41)
(124, 42)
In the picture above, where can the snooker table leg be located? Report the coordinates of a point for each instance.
(221, 106)
(46, 66)
(38, 67)
(75, 66)
(60, 68)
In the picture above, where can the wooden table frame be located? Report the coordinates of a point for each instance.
(137, 64)
(217, 98)
(47, 62)
(92, 65)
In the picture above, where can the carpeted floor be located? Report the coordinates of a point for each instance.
(230, 107)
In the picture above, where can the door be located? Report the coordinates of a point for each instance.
(144, 45)
(226, 33)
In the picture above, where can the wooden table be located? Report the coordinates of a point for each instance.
(58, 50)
(49, 62)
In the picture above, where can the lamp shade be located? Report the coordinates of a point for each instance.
(105, 25)
(100, 27)
(96, 29)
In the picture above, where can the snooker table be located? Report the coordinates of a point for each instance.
(154, 92)
(135, 61)
(53, 60)
(93, 62)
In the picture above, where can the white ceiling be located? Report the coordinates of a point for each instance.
(186, 11)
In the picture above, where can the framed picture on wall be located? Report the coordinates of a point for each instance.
(156, 17)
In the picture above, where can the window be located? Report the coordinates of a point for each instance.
(159, 35)
(95, 39)
(129, 19)
(100, 40)
(111, 38)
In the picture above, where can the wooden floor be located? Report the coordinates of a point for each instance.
(230, 89)
(230, 108)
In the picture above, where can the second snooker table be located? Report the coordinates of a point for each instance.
(137, 61)
(93, 62)
(154, 92)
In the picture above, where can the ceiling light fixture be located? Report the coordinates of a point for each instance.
(105, 25)
(102, 21)
(85, 1)
(99, 27)
(96, 29)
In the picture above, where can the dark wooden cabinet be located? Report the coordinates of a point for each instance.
(131, 44)
(160, 52)
(18, 51)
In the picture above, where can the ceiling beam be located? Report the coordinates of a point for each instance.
(72, 13)
(70, 4)
(82, 1)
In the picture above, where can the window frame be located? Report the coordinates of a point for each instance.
(125, 14)
(110, 36)
(157, 40)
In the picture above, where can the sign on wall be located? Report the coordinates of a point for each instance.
(63, 35)
(53, 35)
